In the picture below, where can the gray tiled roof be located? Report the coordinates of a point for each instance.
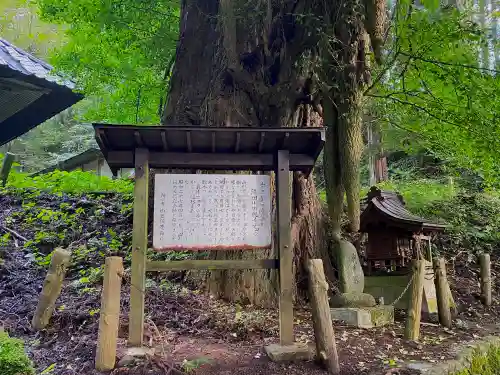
(25, 63)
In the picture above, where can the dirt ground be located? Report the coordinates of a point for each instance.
(191, 331)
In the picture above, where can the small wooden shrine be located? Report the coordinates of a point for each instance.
(395, 235)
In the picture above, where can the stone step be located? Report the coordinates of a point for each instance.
(365, 317)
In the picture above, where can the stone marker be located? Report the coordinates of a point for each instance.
(295, 352)
(133, 355)
(354, 307)
(353, 300)
(366, 317)
(352, 278)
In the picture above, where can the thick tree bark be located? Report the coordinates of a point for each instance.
(242, 71)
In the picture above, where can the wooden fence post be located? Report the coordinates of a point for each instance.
(6, 167)
(322, 319)
(485, 274)
(51, 288)
(414, 312)
(110, 315)
(442, 294)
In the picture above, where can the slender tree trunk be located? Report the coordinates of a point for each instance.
(485, 49)
(377, 161)
(344, 73)
(233, 69)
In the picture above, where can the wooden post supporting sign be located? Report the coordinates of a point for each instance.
(283, 205)
(110, 315)
(139, 248)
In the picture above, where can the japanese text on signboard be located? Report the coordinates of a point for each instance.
(202, 212)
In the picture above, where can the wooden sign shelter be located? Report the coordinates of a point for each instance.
(281, 150)
(395, 235)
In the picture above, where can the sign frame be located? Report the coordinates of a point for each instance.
(182, 200)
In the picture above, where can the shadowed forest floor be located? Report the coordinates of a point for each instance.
(184, 325)
(192, 332)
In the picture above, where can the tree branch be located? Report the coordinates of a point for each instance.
(438, 62)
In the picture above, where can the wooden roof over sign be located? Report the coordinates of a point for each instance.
(388, 207)
(210, 148)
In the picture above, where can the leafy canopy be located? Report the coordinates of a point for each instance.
(434, 92)
(119, 52)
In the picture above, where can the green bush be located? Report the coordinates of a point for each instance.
(483, 363)
(74, 182)
(419, 194)
(13, 359)
(473, 221)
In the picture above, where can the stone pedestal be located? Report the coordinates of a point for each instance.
(294, 352)
(365, 317)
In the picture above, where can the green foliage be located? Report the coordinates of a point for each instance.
(473, 221)
(75, 182)
(119, 53)
(483, 363)
(420, 194)
(20, 25)
(191, 365)
(433, 92)
(13, 359)
(53, 141)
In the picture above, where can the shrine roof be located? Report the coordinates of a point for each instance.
(389, 207)
(30, 92)
(73, 162)
(210, 148)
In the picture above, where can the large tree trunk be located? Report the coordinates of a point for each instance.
(236, 65)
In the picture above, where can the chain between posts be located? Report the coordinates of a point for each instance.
(409, 283)
(404, 291)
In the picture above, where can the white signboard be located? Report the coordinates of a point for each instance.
(212, 212)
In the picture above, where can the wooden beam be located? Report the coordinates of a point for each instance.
(164, 141)
(101, 137)
(208, 129)
(138, 139)
(209, 161)
(237, 143)
(320, 145)
(283, 201)
(181, 265)
(188, 142)
(284, 142)
(139, 247)
(213, 142)
(261, 142)
(109, 319)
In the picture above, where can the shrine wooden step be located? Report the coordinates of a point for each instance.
(180, 265)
